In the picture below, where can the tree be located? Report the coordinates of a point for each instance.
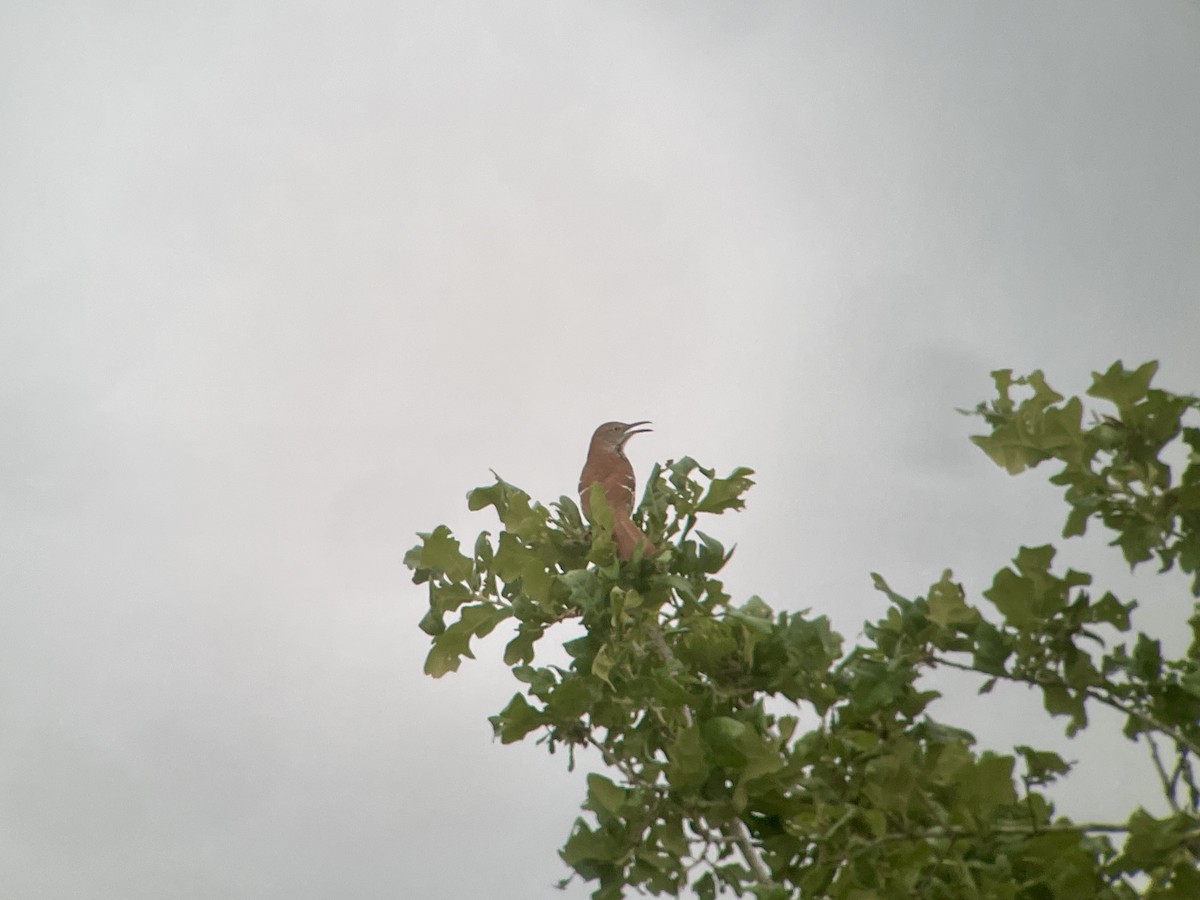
(705, 784)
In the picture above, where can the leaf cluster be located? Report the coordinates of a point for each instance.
(1113, 469)
(753, 751)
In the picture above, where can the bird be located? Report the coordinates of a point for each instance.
(608, 466)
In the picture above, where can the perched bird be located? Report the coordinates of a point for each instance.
(607, 466)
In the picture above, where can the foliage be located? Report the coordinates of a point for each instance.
(857, 792)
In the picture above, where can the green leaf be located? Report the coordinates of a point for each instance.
(756, 608)
(1013, 595)
(587, 846)
(1034, 596)
(511, 504)
(708, 642)
(881, 585)
(1152, 842)
(604, 796)
(726, 493)
(1077, 520)
(516, 720)
(1043, 394)
(431, 623)
(1147, 658)
(483, 548)
(1043, 766)
(441, 553)
(1035, 560)
(573, 697)
(1123, 388)
(987, 784)
(602, 664)
(1190, 682)
(443, 598)
(518, 563)
(520, 648)
(569, 512)
(952, 760)
(1060, 701)
(687, 766)
(946, 604)
(876, 821)
(1036, 430)
(585, 589)
(712, 553)
(992, 648)
(455, 642)
(412, 558)
(722, 735)
(1010, 454)
(1111, 610)
(580, 647)
(599, 511)
(671, 837)
(1179, 706)
(1061, 430)
(1185, 882)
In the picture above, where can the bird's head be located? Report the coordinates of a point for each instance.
(613, 435)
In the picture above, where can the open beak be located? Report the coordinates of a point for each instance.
(632, 428)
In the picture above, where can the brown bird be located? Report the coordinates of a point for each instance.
(607, 466)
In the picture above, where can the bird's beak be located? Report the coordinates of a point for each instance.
(632, 428)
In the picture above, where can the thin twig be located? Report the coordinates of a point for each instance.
(1168, 783)
(631, 774)
(838, 825)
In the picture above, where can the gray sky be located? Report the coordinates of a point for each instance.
(281, 282)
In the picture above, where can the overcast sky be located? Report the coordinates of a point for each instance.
(280, 282)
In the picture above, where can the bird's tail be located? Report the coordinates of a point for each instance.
(627, 536)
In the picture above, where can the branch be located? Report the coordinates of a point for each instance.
(741, 835)
(737, 830)
(951, 832)
(659, 642)
(1173, 733)
(631, 774)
